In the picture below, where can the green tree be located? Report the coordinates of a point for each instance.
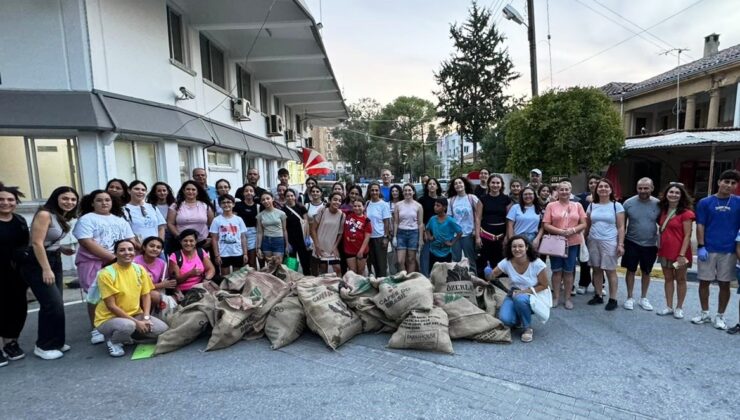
(564, 133)
(473, 79)
(364, 153)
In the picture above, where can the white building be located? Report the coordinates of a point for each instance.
(97, 89)
(448, 151)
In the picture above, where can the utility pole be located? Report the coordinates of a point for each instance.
(423, 152)
(532, 47)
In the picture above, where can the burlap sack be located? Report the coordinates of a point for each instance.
(232, 311)
(266, 288)
(423, 330)
(358, 295)
(286, 322)
(326, 314)
(493, 298)
(187, 324)
(401, 293)
(498, 335)
(454, 278)
(234, 282)
(465, 319)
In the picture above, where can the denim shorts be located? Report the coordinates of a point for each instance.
(567, 264)
(273, 244)
(407, 239)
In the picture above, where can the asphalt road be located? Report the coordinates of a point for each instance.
(585, 363)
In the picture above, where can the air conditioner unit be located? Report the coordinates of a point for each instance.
(240, 109)
(275, 126)
(289, 136)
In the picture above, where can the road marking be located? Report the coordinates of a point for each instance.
(75, 302)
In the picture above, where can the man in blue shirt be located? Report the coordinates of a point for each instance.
(385, 190)
(200, 177)
(717, 224)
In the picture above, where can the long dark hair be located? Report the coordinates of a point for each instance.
(86, 204)
(684, 203)
(352, 187)
(400, 192)
(52, 206)
(426, 188)
(535, 202)
(126, 197)
(152, 199)
(509, 254)
(595, 195)
(451, 192)
(369, 187)
(201, 196)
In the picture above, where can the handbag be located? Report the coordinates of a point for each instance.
(292, 263)
(541, 303)
(554, 245)
(583, 255)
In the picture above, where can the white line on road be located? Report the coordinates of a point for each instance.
(75, 302)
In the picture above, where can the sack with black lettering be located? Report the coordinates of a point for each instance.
(454, 278)
(286, 322)
(232, 313)
(326, 314)
(187, 324)
(401, 293)
(423, 330)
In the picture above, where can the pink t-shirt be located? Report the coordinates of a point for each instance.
(192, 217)
(155, 269)
(187, 265)
(565, 217)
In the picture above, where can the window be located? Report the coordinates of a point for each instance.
(276, 106)
(136, 160)
(298, 127)
(263, 100)
(243, 83)
(465, 149)
(184, 157)
(38, 166)
(212, 62)
(219, 159)
(176, 36)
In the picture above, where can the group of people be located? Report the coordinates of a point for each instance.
(140, 247)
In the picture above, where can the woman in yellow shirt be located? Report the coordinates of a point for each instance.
(126, 303)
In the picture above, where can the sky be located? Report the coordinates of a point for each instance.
(383, 49)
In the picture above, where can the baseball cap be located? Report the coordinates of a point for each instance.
(537, 171)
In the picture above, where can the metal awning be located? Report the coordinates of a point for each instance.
(683, 139)
(280, 45)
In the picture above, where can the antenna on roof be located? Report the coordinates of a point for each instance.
(678, 80)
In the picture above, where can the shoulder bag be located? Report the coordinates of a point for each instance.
(541, 303)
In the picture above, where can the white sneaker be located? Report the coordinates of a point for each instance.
(581, 290)
(666, 311)
(719, 322)
(678, 313)
(115, 349)
(703, 318)
(629, 304)
(96, 337)
(645, 304)
(47, 354)
(65, 348)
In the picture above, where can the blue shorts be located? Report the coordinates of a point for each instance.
(407, 239)
(273, 244)
(568, 264)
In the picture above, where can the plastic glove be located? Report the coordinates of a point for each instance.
(488, 271)
(394, 242)
(702, 253)
(309, 242)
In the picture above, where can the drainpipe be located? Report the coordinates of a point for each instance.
(711, 170)
(736, 118)
(213, 139)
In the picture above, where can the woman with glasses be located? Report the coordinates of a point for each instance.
(144, 218)
(675, 225)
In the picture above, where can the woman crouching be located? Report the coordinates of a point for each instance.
(126, 301)
(526, 271)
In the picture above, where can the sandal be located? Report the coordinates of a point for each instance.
(569, 304)
(527, 335)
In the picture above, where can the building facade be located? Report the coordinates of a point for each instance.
(684, 124)
(150, 90)
(448, 152)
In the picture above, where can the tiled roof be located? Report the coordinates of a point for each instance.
(722, 58)
(683, 138)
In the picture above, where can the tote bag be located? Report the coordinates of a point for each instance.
(541, 303)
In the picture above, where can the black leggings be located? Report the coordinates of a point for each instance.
(304, 255)
(13, 303)
(51, 333)
(492, 253)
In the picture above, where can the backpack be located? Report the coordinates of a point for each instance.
(93, 294)
(179, 257)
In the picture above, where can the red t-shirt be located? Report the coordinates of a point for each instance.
(355, 229)
(672, 237)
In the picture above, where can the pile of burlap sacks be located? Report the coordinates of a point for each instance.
(420, 313)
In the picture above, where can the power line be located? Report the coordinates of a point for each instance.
(638, 26)
(628, 38)
(388, 138)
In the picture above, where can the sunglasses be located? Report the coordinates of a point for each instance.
(676, 184)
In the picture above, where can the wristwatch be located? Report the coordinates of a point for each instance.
(147, 317)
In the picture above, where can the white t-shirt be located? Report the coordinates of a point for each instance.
(230, 231)
(526, 280)
(462, 210)
(604, 221)
(145, 220)
(104, 230)
(377, 212)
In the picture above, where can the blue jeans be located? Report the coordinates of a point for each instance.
(515, 311)
(466, 246)
(273, 244)
(568, 264)
(424, 266)
(407, 239)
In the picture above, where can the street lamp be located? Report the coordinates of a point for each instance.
(513, 15)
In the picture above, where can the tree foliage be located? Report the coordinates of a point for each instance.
(564, 133)
(473, 79)
(365, 154)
